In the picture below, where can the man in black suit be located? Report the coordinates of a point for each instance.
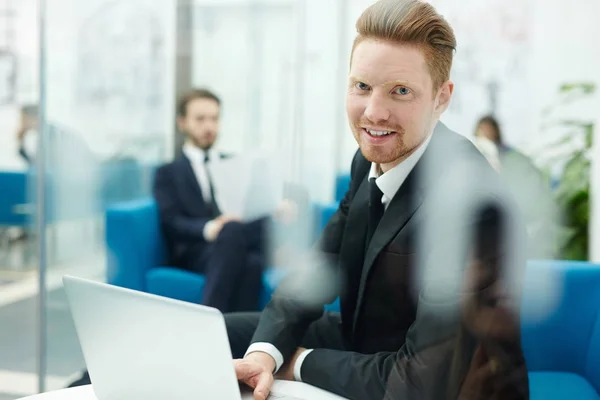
(413, 286)
(201, 239)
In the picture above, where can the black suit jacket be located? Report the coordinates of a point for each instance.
(393, 307)
(183, 211)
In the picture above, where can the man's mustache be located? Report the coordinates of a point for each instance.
(385, 127)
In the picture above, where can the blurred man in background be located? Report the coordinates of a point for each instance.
(200, 238)
(528, 185)
(64, 148)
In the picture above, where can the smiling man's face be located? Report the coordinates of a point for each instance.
(391, 103)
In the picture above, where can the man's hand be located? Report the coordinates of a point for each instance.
(287, 370)
(21, 133)
(256, 371)
(224, 219)
(287, 212)
(214, 227)
(490, 378)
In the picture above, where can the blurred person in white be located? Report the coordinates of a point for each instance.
(529, 186)
(64, 148)
(27, 133)
(71, 166)
(375, 255)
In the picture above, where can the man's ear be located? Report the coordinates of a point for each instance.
(443, 97)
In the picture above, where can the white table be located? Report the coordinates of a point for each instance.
(282, 390)
(82, 392)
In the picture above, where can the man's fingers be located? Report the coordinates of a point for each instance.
(255, 377)
(263, 386)
(243, 370)
(486, 371)
(478, 359)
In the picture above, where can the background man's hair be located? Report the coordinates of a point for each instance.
(411, 22)
(193, 95)
(30, 110)
(493, 122)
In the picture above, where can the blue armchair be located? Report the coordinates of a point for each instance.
(342, 184)
(137, 255)
(13, 202)
(137, 259)
(560, 329)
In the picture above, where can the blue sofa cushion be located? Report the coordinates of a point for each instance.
(175, 283)
(322, 215)
(134, 243)
(559, 310)
(560, 386)
(342, 185)
(593, 362)
(14, 195)
(271, 279)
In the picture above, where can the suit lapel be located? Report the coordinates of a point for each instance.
(404, 204)
(190, 184)
(356, 229)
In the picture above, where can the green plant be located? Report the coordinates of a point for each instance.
(572, 152)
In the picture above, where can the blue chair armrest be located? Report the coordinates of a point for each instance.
(322, 215)
(175, 283)
(342, 184)
(560, 300)
(134, 243)
(271, 279)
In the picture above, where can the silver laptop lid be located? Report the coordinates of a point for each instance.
(140, 346)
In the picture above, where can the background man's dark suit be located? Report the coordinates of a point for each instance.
(232, 264)
(385, 322)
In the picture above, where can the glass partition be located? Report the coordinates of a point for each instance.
(107, 84)
(18, 255)
(87, 104)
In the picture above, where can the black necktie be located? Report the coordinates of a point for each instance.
(376, 209)
(213, 202)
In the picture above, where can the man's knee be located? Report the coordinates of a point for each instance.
(232, 233)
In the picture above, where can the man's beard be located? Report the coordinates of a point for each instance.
(397, 147)
(203, 145)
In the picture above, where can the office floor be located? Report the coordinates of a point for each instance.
(8, 396)
(19, 321)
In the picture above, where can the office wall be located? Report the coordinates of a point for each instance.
(109, 75)
(569, 56)
(275, 65)
(272, 98)
(25, 49)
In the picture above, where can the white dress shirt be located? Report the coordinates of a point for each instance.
(389, 183)
(30, 144)
(196, 157)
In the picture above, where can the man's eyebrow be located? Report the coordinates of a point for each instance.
(398, 82)
(356, 79)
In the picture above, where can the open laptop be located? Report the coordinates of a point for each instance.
(141, 346)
